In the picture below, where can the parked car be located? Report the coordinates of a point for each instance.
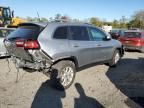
(117, 33)
(60, 49)
(3, 33)
(134, 40)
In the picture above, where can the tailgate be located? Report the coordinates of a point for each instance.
(26, 32)
(132, 41)
(132, 38)
(19, 52)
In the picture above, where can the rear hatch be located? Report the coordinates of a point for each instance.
(131, 39)
(23, 39)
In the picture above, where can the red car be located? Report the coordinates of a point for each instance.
(133, 39)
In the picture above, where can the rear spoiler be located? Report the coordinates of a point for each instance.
(33, 24)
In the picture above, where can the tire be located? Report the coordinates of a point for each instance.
(115, 59)
(63, 74)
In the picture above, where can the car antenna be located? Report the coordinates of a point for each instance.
(38, 17)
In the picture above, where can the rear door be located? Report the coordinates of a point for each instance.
(80, 44)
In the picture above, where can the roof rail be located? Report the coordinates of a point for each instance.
(60, 20)
(88, 23)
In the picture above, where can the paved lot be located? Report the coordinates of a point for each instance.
(95, 87)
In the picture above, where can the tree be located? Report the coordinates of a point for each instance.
(65, 18)
(51, 19)
(75, 20)
(123, 22)
(138, 19)
(58, 16)
(115, 24)
(35, 19)
(95, 21)
(43, 19)
(29, 19)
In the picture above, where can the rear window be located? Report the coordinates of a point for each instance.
(25, 32)
(133, 34)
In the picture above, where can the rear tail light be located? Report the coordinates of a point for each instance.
(19, 43)
(29, 44)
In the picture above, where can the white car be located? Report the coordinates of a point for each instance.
(3, 33)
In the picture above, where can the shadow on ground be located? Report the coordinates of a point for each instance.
(47, 97)
(84, 101)
(128, 76)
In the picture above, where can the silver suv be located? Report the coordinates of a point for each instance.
(60, 49)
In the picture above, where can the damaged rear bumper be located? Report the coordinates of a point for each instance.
(39, 60)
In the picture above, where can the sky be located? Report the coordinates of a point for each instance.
(82, 9)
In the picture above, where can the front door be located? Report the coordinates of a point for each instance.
(103, 48)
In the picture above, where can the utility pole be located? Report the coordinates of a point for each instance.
(38, 17)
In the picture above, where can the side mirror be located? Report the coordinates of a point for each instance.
(108, 37)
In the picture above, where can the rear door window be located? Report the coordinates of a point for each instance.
(25, 32)
(61, 33)
(79, 33)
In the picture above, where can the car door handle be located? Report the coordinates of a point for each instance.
(75, 46)
(98, 44)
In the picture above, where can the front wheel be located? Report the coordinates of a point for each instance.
(115, 59)
(63, 74)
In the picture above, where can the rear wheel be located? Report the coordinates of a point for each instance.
(63, 74)
(115, 59)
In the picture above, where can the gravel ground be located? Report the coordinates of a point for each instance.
(96, 87)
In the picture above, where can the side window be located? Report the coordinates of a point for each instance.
(79, 33)
(96, 34)
(61, 33)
